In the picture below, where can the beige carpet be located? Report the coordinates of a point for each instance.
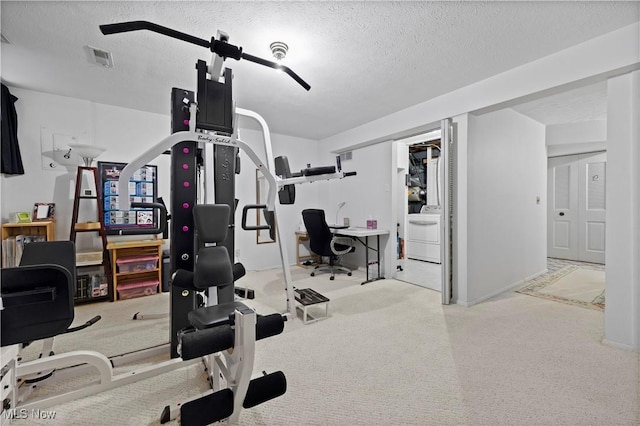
(571, 285)
(116, 333)
(391, 354)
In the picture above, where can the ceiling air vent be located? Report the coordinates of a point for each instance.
(100, 57)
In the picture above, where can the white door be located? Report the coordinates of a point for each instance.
(591, 211)
(576, 207)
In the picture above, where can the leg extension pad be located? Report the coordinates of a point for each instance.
(265, 388)
(198, 343)
(208, 409)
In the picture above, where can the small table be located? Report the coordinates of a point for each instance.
(359, 233)
(308, 297)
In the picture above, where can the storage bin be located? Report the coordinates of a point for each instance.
(137, 289)
(137, 263)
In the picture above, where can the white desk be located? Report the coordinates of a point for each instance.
(365, 233)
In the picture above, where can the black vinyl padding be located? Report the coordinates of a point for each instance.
(287, 193)
(213, 268)
(269, 325)
(183, 279)
(322, 170)
(213, 316)
(199, 343)
(238, 271)
(265, 388)
(211, 222)
(208, 409)
(61, 253)
(35, 317)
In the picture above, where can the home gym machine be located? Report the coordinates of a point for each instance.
(209, 122)
(50, 294)
(208, 125)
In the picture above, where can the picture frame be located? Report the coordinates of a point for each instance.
(23, 217)
(43, 212)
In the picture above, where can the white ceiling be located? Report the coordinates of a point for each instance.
(582, 104)
(364, 60)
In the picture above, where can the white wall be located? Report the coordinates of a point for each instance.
(506, 232)
(576, 138)
(368, 194)
(299, 152)
(126, 133)
(603, 57)
(58, 115)
(622, 323)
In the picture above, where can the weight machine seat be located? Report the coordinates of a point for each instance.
(213, 316)
(38, 295)
(213, 267)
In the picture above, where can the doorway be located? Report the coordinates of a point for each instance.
(419, 210)
(576, 208)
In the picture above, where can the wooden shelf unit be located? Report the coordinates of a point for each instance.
(135, 248)
(92, 226)
(45, 228)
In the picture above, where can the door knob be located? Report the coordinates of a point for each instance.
(561, 213)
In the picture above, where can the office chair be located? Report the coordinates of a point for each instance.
(324, 243)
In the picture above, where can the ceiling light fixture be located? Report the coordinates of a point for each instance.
(279, 50)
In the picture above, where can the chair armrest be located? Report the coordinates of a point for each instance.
(347, 241)
(28, 297)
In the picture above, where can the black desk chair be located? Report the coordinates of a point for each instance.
(323, 243)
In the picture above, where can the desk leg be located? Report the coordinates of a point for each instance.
(366, 257)
(378, 248)
(367, 260)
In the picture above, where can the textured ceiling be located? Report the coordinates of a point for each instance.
(582, 104)
(363, 60)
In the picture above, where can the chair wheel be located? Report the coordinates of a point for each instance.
(332, 278)
(348, 274)
(313, 274)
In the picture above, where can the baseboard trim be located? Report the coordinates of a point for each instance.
(618, 345)
(505, 289)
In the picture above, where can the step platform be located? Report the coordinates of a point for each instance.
(306, 298)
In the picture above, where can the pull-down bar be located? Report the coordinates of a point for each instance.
(219, 47)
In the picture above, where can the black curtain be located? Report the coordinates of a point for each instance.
(11, 158)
